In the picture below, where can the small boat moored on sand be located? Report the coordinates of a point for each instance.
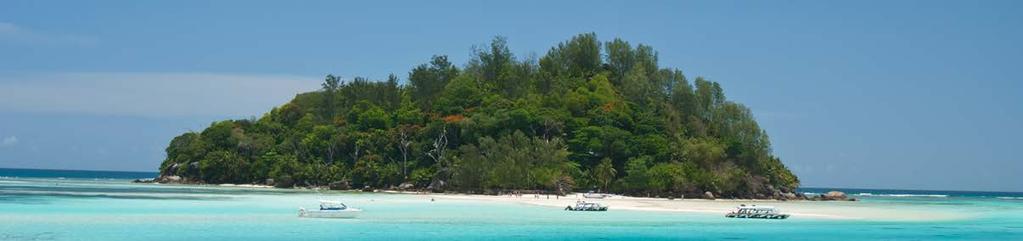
(586, 206)
(330, 209)
(596, 195)
(754, 211)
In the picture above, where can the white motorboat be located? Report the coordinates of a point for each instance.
(753, 211)
(330, 209)
(586, 206)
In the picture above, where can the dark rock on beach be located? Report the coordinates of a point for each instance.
(708, 195)
(339, 185)
(437, 185)
(284, 182)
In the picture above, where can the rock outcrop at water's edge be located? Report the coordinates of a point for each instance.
(144, 180)
(832, 196)
(835, 195)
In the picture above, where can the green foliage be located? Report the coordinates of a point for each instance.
(637, 175)
(513, 161)
(371, 117)
(461, 94)
(586, 114)
(223, 167)
(667, 178)
(604, 173)
(579, 57)
(427, 81)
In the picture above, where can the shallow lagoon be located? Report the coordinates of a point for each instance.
(92, 209)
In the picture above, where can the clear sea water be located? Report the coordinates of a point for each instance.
(74, 205)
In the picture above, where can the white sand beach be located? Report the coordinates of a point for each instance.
(245, 185)
(844, 210)
(801, 209)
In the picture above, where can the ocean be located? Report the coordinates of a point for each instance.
(94, 205)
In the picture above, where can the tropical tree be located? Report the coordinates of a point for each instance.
(574, 116)
(604, 173)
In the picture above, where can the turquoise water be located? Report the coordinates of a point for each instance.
(114, 209)
(80, 174)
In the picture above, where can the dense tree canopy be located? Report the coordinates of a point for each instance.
(586, 116)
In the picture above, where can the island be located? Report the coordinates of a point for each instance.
(586, 116)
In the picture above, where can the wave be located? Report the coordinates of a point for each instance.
(1010, 198)
(867, 194)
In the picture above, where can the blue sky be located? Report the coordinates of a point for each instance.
(872, 94)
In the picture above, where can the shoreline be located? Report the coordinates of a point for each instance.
(799, 209)
(799, 197)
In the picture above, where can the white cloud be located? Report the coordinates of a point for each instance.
(9, 141)
(13, 33)
(150, 94)
(8, 28)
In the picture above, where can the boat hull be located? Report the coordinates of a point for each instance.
(758, 216)
(352, 213)
(596, 209)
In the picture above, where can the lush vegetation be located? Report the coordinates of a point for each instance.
(588, 115)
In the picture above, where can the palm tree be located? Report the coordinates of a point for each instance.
(604, 173)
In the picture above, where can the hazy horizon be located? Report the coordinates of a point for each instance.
(915, 95)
